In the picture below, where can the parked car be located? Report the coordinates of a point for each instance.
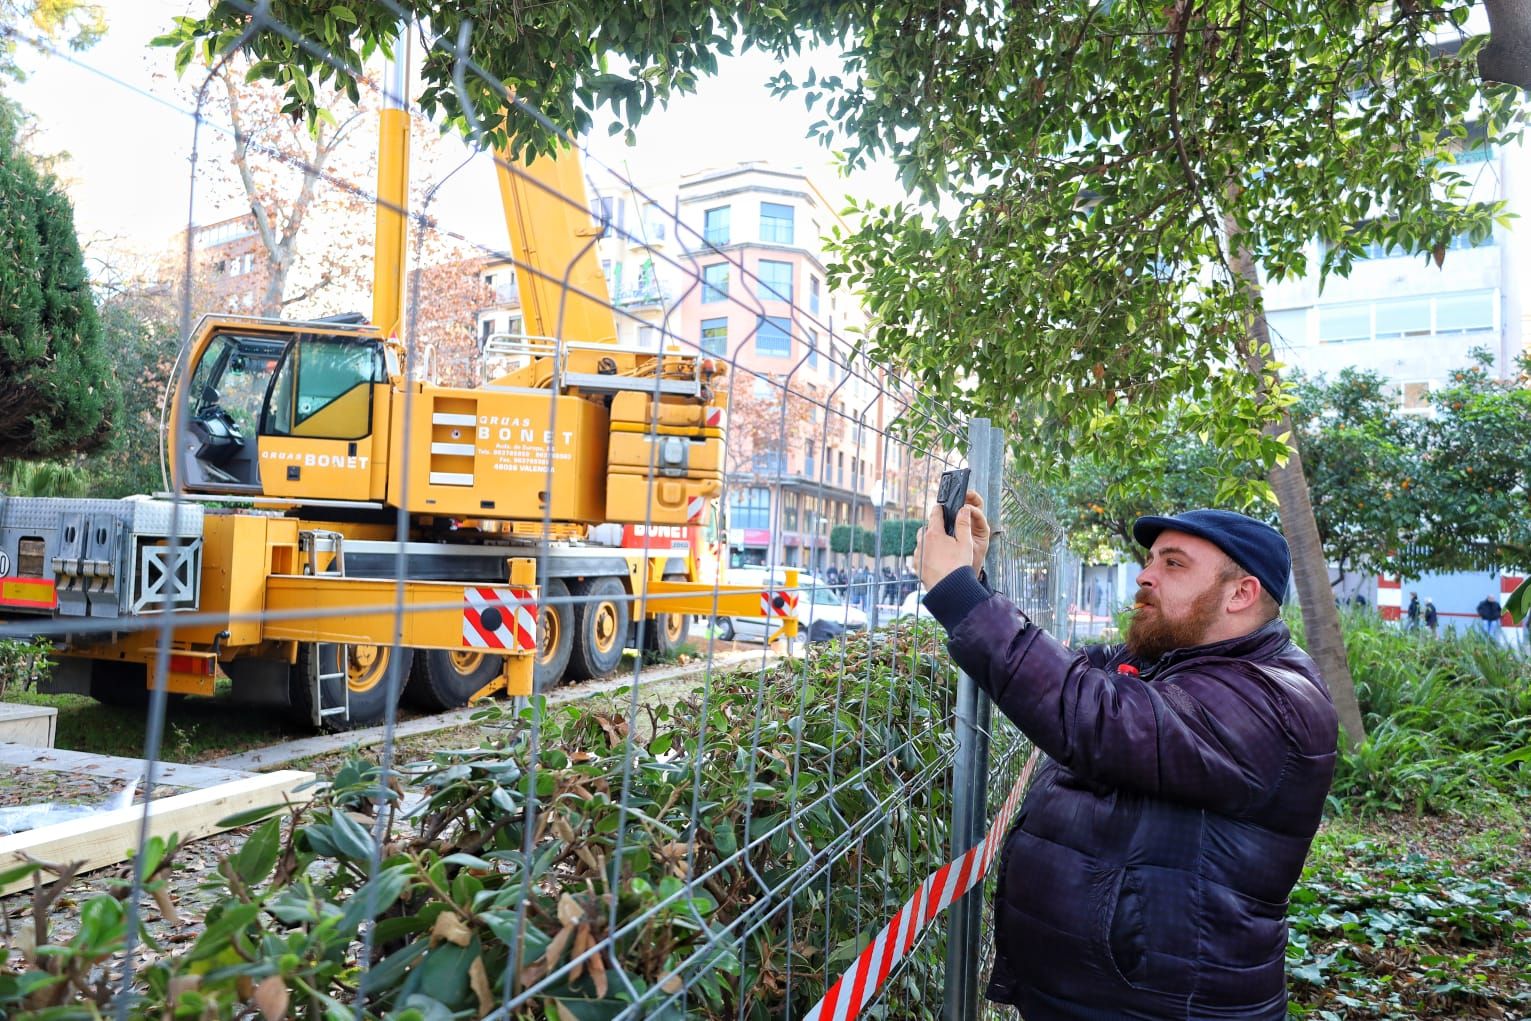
(911, 605)
(816, 602)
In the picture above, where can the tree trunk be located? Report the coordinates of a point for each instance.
(1507, 57)
(1320, 617)
(1310, 572)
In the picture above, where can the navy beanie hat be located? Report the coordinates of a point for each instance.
(1253, 545)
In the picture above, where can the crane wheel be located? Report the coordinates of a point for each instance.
(600, 628)
(555, 635)
(365, 683)
(663, 633)
(444, 679)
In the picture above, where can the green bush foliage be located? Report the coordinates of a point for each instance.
(798, 852)
(57, 391)
(1448, 722)
(23, 662)
(1379, 931)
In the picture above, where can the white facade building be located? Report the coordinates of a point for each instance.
(1414, 323)
(1405, 317)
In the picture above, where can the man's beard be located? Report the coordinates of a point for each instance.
(1151, 636)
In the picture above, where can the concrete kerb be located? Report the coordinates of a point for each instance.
(272, 756)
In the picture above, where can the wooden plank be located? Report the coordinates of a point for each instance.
(109, 837)
(114, 767)
(30, 725)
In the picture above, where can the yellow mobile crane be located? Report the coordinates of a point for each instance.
(313, 433)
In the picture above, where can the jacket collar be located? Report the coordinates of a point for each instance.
(1261, 643)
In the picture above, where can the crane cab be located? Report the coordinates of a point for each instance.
(275, 409)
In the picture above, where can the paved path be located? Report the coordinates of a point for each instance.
(112, 767)
(275, 755)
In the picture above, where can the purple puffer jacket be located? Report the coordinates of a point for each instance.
(1147, 874)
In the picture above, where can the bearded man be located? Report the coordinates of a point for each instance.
(1147, 874)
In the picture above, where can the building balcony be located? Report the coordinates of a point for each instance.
(640, 297)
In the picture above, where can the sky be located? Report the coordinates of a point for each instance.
(115, 109)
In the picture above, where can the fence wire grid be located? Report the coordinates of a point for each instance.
(719, 844)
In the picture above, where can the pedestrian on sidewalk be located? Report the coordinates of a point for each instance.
(1147, 876)
(1489, 612)
(1432, 618)
(1414, 611)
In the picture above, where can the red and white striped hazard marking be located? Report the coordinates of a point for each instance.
(499, 618)
(777, 604)
(696, 509)
(1390, 597)
(856, 988)
(714, 417)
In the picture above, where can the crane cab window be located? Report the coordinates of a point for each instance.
(228, 387)
(231, 379)
(324, 389)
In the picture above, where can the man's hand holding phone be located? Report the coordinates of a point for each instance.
(957, 535)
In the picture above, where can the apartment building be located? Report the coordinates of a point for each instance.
(1414, 322)
(1406, 317)
(229, 268)
(757, 296)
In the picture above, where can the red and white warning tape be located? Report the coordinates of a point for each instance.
(855, 989)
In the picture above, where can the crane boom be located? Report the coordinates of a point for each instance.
(390, 238)
(563, 291)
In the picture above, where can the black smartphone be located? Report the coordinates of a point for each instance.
(951, 494)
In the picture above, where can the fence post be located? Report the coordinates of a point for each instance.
(970, 769)
(1063, 593)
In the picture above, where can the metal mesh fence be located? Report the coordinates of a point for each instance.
(345, 530)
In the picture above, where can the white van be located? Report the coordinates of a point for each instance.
(816, 601)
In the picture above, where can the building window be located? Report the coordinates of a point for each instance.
(768, 462)
(1288, 326)
(775, 281)
(776, 223)
(1447, 314)
(1459, 243)
(813, 349)
(1340, 323)
(648, 283)
(485, 328)
(813, 294)
(1415, 396)
(808, 465)
(1408, 318)
(773, 337)
(503, 283)
(749, 507)
(715, 226)
(715, 337)
(654, 222)
(714, 283)
(608, 214)
(1464, 313)
(648, 338)
(840, 469)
